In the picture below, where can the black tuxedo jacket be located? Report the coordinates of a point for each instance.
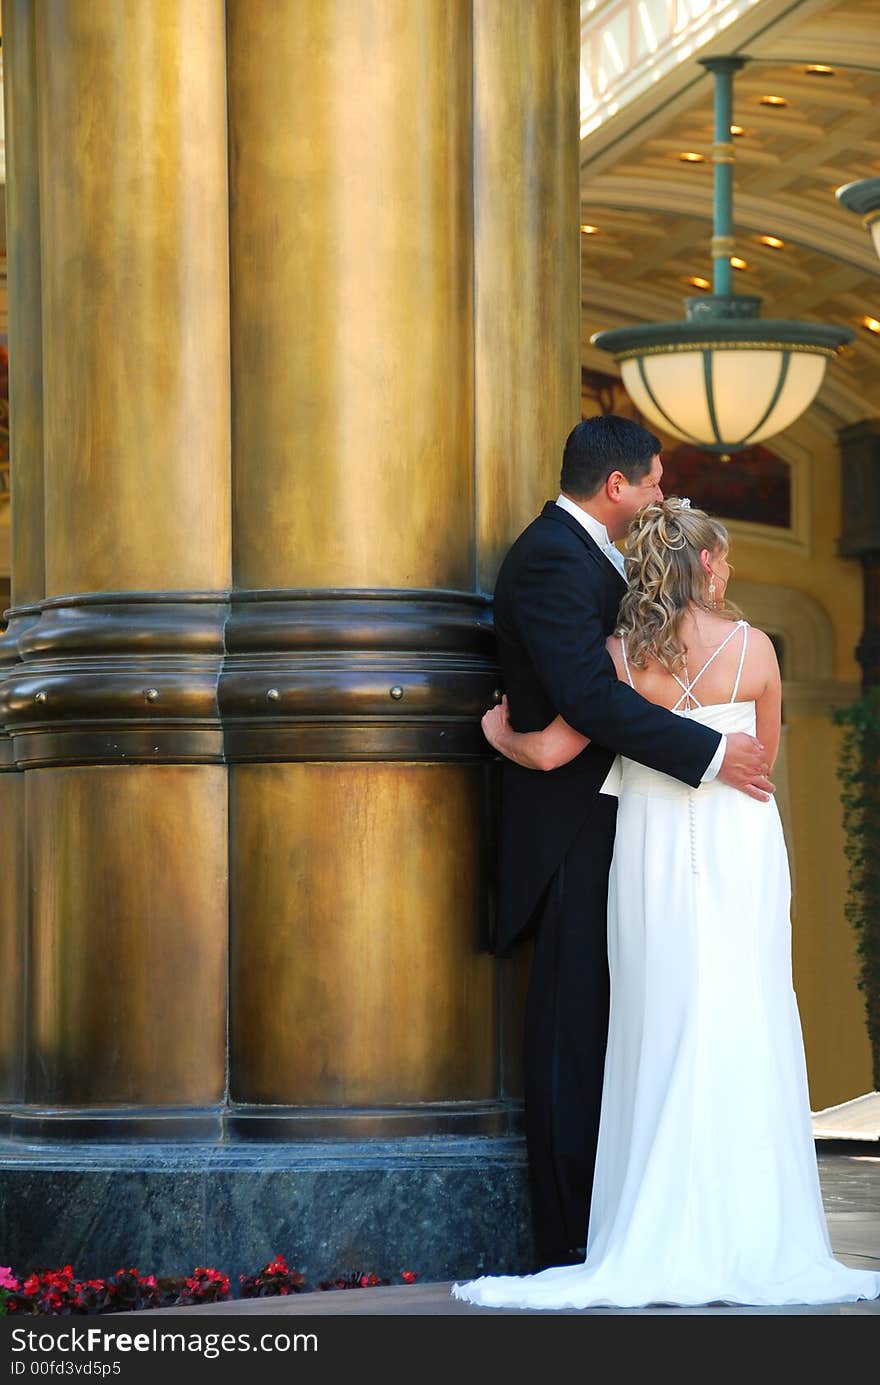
(556, 602)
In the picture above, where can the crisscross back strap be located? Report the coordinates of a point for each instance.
(742, 659)
(687, 689)
(685, 692)
(713, 656)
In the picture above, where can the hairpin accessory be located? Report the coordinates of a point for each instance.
(685, 502)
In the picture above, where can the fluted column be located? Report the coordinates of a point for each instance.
(25, 300)
(134, 238)
(352, 271)
(527, 251)
(352, 346)
(26, 409)
(527, 310)
(398, 234)
(121, 484)
(396, 263)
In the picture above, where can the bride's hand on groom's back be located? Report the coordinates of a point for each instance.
(745, 767)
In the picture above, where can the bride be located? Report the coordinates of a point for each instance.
(706, 1186)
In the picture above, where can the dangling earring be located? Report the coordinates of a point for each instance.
(711, 592)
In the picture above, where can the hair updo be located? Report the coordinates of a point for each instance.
(663, 546)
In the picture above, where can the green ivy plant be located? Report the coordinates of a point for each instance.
(859, 774)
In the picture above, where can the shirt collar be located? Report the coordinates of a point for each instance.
(594, 527)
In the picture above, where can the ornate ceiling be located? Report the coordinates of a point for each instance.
(653, 212)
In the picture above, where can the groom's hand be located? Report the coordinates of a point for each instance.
(745, 767)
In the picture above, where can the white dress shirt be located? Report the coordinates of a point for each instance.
(599, 534)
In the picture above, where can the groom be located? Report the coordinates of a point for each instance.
(556, 602)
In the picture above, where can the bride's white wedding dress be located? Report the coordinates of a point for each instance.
(706, 1186)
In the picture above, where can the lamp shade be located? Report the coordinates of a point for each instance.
(724, 378)
(863, 198)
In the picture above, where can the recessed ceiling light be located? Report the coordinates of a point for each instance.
(697, 282)
(773, 101)
(773, 241)
(819, 70)
(589, 230)
(738, 263)
(689, 157)
(870, 323)
(737, 130)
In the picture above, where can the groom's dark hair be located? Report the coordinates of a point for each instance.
(597, 446)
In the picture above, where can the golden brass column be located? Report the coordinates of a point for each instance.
(25, 300)
(112, 708)
(359, 930)
(527, 302)
(26, 406)
(352, 269)
(528, 307)
(369, 208)
(133, 193)
(128, 936)
(13, 932)
(403, 267)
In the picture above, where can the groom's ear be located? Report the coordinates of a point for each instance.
(614, 484)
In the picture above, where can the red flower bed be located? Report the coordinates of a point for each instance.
(58, 1292)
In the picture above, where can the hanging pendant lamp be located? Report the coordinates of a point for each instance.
(863, 198)
(724, 378)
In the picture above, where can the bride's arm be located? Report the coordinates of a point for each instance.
(768, 706)
(548, 749)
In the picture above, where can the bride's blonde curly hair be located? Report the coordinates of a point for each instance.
(663, 546)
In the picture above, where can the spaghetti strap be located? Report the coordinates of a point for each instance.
(626, 662)
(712, 657)
(742, 658)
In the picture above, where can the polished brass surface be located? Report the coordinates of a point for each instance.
(115, 1125)
(108, 744)
(117, 678)
(357, 902)
(374, 1123)
(351, 231)
(357, 676)
(134, 235)
(114, 678)
(300, 621)
(398, 408)
(527, 253)
(127, 972)
(25, 325)
(13, 936)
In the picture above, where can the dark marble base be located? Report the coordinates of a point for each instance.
(444, 1207)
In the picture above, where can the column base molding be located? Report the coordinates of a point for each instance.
(256, 1124)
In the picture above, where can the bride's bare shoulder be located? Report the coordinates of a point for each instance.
(761, 648)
